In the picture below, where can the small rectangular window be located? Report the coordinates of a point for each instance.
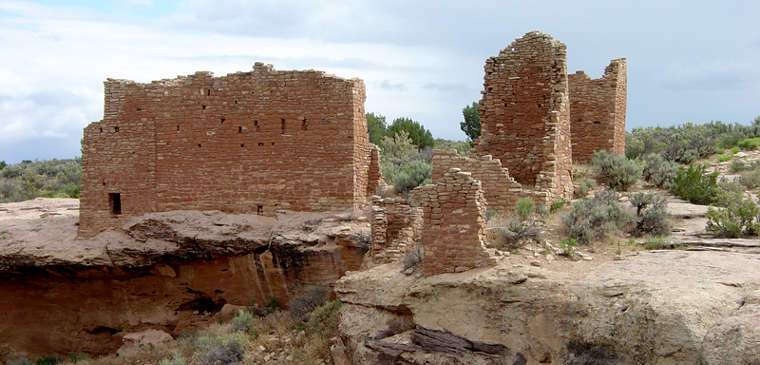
(260, 209)
(114, 201)
(283, 126)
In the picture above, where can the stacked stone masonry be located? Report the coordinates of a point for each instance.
(597, 111)
(247, 142)
(454, 214)
(525, 115)
(500, 190)
(396, 227)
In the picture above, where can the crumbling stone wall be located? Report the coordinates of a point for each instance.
(247, 142)
(524, 114)
(597, 111)
(501, 191)
(396, 227)
(454, 215)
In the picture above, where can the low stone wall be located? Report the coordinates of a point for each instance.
(396, 227)
(500, 190)
(454, 211)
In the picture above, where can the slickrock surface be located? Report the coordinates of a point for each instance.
(672, 307)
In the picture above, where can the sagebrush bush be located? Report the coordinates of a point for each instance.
(738, 218)
(750, 179)
(737, 166)
(749, 144)
(659, 171)
(650, 214)
(591, 219)
(52, 179)
(525, 207)
(412, 257)
(696, 185)
(688, 142)
(242, 321)
(311, 297)
(615, 171)
(583, 187)
(402, 163)
(223, 349)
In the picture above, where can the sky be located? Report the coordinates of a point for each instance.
(688, 61)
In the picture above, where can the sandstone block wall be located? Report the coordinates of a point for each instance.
(247, 142)
(454, 215)
(597, 111)
(396, 226)
(524, 114)
(500, 190)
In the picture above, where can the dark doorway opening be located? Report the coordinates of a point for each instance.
(114, 201)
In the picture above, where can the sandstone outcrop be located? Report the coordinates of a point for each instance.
(671, 307)
(169, 271)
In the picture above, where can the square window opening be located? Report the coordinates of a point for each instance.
(260, 210)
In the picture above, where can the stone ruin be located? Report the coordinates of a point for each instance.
(454, 215)
(597, 111)
(396, 226)
(525, 115)
(249, 142)
(535, 121)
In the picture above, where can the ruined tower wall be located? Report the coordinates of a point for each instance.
(249, 142)
(454, 215)
(524, 114)
(500, 190)
(396, 227)
(597, 111)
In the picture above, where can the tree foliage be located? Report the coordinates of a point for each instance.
(376, 127)
(53, 178)
(420, 136)
(402, 164)
(471, 123)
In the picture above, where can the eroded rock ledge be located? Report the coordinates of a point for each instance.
(166, 271)
(655, 308)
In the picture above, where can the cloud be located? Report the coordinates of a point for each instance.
(421, 59)
(139, 4)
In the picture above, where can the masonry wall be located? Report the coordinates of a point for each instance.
(248, 142)
(597, 111)
(524, 114)
(454, 215)
(396, 227)
(500, 190)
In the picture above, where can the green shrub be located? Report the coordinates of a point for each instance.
(750, 179)
(656, 243)
(729, 192)
(688, 142)
(21, 361)
(659, 171)
(724, 158)
(650, 214)
(525, 207)
(402, 163)
(696, 185)
(76, 357)
(750, 143)
(48, 360)
(737, 166)
(312, 297)
(223, 349)
(175, 360)
(557, 206)
(242, 321)
(272, 305)
(590, 219)
(567, 247)
(615, 171)
(583, 187)
(324, 317)
(734, 220)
